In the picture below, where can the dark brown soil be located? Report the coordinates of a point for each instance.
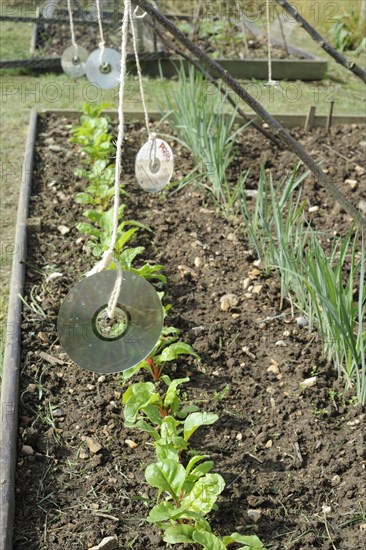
(53, 39)
(286, 451)
(231, 44)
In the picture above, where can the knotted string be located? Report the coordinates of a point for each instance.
(102, 40)
(108, 256)
(72, 30)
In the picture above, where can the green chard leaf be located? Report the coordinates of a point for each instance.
(171, 352)
(197, 419)
(167, 475)
(171, 394)
(161, 512)
(252, 542)
(83, 198)
(178, 533)
(88, 229)
(194, 461)
(139, 396)
(124, 238)
(204, 494)
(201, 470)
(208, 540)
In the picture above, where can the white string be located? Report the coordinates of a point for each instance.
(102, 41)
(138, 66)
(72, 30)
(108, 254)
(270, 81)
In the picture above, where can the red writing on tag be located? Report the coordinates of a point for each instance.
(165, 151)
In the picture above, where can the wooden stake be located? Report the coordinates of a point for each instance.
(309, 122)
(330, 116)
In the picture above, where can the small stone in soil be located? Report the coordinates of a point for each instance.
(94, 446)
(335, 481)
(309, 382)
(228, 301)
(63, 229)
(55, 148)
(281, 343)
(273, 369)
(362, 206)
(246, 283)
(259, 264)
(131, 444)
(198, 330)
(54, 275)
(257, 289)
(302, 321)
(254, 515)
(108, 543)
(352, 183)
(61, 195)
(184, 270)
(27, 450)
(313, 209)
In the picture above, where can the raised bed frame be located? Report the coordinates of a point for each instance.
(311, 68)
(12, 355)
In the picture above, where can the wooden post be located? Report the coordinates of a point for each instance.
(330, 116)
(309, 122)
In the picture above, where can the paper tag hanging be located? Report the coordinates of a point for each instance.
(99, 344)
(104, 72)
(73, 61)
(154, 165)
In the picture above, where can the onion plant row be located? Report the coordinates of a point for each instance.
(313, 278)
(186, 487)
(323, 277)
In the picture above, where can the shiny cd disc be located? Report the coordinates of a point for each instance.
(73, 61)
(98, 344)
(104, 73)
(154, 165)
(48, 10)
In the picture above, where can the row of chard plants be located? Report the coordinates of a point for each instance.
(186, 488)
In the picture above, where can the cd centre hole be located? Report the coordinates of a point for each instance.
(154, 165)
(111, 328)
(75, 60)
(105, 68)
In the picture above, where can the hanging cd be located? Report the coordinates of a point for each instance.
(99, 344)
(48, 10)
(73, 61)
(154, 165)
(104, 72)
